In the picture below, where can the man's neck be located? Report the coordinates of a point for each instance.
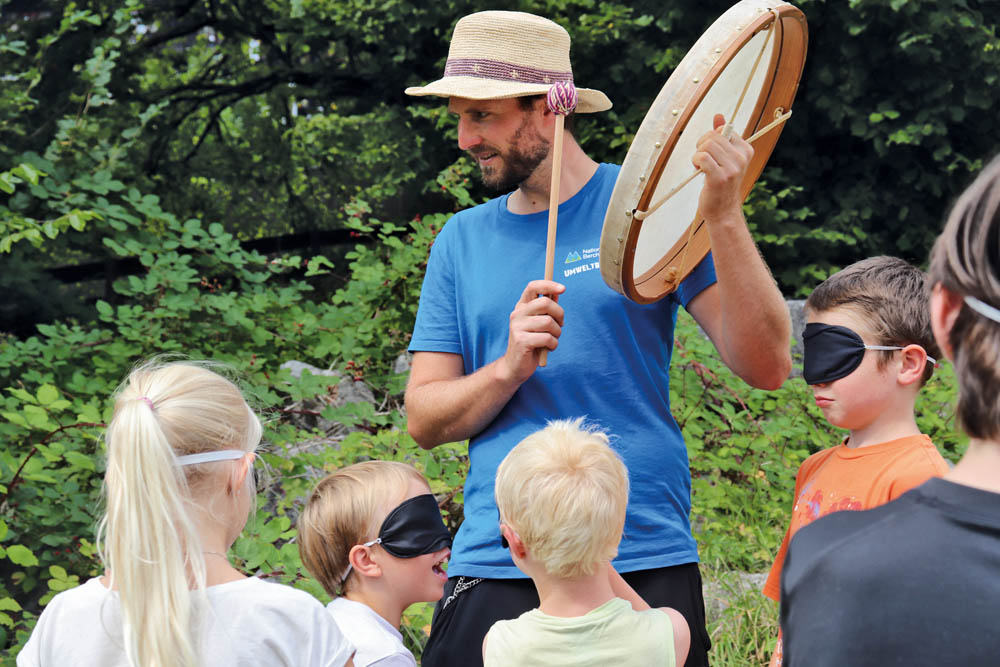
(569, 598)
(532, 195)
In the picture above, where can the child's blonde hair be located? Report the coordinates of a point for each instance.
(564, 491)
(147, 538)
(345, 509)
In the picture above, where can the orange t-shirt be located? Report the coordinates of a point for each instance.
(841, 478)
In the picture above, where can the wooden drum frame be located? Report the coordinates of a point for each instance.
(746, 66)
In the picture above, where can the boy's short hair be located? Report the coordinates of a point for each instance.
(891, 295)
(564, 491)
(345, 509)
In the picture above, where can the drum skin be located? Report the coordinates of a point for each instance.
(647, 259)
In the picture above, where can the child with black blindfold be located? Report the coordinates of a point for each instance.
(869, 349)
(372, 534)
(916, 582)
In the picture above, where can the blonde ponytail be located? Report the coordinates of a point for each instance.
(148, 540)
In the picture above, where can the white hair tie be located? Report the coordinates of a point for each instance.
(208, 457)
(984, 309)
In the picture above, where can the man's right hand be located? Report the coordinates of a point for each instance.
(535, 324)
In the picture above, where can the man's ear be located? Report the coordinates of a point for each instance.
(360, 558)
(945, 306)
(514, 540)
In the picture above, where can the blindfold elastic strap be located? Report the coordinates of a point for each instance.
(208, 457)
(984, 309)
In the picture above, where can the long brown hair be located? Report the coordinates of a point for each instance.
(966, 261)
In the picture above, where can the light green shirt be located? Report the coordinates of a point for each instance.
(612, 634)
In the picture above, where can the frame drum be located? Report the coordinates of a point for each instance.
(746, 66)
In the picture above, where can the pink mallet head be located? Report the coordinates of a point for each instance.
(562, 98)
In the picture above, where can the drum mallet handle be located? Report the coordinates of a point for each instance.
(561, 100)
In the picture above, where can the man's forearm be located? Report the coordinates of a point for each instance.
(455, 409)
(756, 327)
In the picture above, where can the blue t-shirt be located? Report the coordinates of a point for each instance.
(611, 367)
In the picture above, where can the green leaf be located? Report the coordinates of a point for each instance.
(80, 460)
(21, 555)
(47, 394)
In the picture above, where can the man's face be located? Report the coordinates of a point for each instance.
(505, 140)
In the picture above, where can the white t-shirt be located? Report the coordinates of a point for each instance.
(251, 622)
(378, 643)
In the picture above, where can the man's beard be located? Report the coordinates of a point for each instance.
(517, 164)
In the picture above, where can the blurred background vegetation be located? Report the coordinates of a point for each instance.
(246, 181)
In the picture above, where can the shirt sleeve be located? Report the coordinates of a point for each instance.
(436, 328)
(333, 647)
(925, 464)
(702, 277)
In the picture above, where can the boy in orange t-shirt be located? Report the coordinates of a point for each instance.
(880, 305)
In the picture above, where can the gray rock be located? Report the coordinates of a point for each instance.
(296, 368)
(796, 308)
(402, 363)
(722, 588)
(346, 390)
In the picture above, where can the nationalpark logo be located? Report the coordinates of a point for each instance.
(575, 256)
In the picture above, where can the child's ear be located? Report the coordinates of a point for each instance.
(362, 561)
(945, 306)
(914, 362)
(514, 540)
(238, 474)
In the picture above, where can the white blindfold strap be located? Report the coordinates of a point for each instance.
(208, 457)
(984, 309)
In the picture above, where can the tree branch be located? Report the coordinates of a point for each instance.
(34, 450)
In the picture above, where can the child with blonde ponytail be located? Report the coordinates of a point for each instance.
(179, 489)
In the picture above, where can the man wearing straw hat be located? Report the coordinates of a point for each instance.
(483, 321)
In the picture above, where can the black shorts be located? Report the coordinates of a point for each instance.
(471, 606)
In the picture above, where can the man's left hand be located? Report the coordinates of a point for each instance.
(724, 162)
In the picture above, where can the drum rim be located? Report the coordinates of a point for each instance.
(781, 81)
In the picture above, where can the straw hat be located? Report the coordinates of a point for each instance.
(496, 54)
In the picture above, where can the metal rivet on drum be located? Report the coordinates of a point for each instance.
(696, 79)
(617, 262)
(675, 112)
(657, 144)
(718, 50)
(628, 214)
(621, 239)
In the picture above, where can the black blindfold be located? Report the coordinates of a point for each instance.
(414, 528)
(833, 352)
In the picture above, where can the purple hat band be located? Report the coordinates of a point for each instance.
(501, 71)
